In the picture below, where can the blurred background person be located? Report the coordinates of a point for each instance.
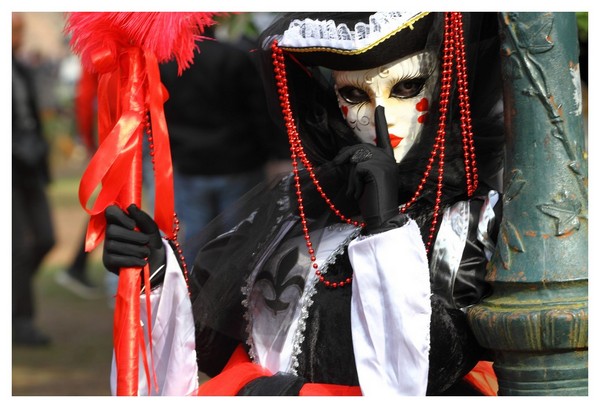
(32, 227)
(75, 276)
(222, 137)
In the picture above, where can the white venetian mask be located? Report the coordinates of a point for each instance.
(403, 87)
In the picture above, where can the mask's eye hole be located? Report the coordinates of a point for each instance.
(408, 89)
(353, 95)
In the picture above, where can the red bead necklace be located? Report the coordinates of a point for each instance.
(453, 48)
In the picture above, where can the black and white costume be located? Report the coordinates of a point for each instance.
(399, 327)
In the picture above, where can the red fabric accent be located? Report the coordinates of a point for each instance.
(318, 389)
(238, 372)
(483, 378)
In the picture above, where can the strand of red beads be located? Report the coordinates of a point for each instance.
(176, 227)
(439, 146)
(465, 107)
(297, 152)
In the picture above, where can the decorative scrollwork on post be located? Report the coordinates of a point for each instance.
(529, 41)
(509, 239)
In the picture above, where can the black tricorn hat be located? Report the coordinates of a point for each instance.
(352, 40)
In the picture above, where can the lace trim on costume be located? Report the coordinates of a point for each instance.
(318, 35)
(310, 291)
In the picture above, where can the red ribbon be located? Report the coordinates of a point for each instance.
(114, 167)
(125, 94)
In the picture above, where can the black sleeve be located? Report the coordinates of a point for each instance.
(213, 347)
(464, 284)
(454, 350)
(470, 285)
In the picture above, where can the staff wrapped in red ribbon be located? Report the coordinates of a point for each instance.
(124, 49)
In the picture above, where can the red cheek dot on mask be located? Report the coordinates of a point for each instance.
(422, 118)
(345, 110)
(423, 105)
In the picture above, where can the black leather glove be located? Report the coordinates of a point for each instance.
(373, 179)
(124, 246)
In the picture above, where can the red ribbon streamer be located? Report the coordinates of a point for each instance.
(120, 135)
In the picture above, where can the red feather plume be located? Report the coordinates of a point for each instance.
(167, 35)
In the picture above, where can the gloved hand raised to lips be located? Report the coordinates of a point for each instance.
(124, 246)
(373, 179)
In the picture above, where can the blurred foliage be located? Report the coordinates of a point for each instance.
(582, 25)
(236, 25)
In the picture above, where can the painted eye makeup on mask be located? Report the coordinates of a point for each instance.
(353, 95)
(404, 89)
(408, 89)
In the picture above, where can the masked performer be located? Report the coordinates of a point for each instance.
(353, 274)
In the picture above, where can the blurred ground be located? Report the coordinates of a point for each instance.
(77, 363)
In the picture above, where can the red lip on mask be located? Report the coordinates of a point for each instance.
(395, 140)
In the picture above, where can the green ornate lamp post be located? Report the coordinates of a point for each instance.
(536, 320)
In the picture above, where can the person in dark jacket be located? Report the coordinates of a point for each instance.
(32, 227)
(220, 131)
